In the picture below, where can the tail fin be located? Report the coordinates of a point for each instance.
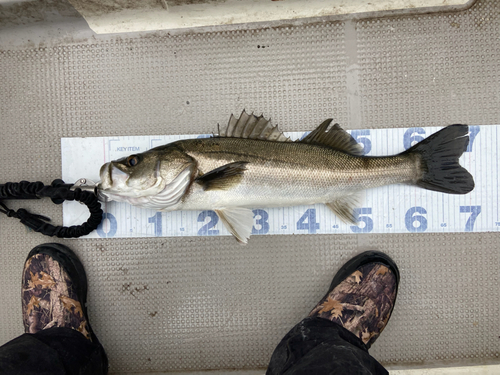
(439, 157)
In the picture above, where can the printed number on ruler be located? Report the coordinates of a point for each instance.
(414, 219)
(474, 212)
(361, 136)
(473, 131)
(362, 216)
(308, 221)
(261, 225)
(206, 229)
(108, 226)
(412, 136)
(157, 223)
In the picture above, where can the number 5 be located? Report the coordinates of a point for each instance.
(365, 219)
(361, 137)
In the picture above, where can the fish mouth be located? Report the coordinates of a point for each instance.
(112, 176)
(105, 177)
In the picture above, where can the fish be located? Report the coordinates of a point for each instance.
(251, 163)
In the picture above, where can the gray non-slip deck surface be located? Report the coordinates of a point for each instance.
(208, 303)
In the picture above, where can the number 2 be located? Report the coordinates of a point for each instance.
(205, 229)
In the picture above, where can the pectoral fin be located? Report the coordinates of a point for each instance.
(344, 207)
(239, 221)
(224, 177)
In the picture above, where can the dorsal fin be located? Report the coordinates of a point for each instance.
(252, 127)
(335, 137)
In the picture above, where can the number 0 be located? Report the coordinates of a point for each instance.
(112, 228)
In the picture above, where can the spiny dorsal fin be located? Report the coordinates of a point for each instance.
(224, 177)
(335, 137)
(252, 127)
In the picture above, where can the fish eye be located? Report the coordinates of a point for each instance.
(132, 160)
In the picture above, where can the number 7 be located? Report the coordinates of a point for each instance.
(474, 211)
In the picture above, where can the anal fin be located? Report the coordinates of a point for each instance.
(344, 207)
(239, 221)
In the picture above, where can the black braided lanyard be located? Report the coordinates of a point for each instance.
(58, 191)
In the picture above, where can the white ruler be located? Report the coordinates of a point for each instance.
(389, 209)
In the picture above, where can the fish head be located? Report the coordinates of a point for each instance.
(153, 179)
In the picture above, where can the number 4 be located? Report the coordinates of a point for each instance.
(311, 225)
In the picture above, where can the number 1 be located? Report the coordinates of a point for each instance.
(156, 221)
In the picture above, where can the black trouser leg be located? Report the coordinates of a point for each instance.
(319, 346)
(52, 351)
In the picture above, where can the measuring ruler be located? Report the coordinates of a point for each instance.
(388, 209)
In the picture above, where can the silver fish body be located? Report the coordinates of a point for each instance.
(253, 165)
(288, 174)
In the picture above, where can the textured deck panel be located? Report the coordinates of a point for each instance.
(208, 303)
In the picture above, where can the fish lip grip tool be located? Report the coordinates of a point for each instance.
(84, 191)
(86, 184)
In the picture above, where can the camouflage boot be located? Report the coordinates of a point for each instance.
(54, 291)
(362, 295)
